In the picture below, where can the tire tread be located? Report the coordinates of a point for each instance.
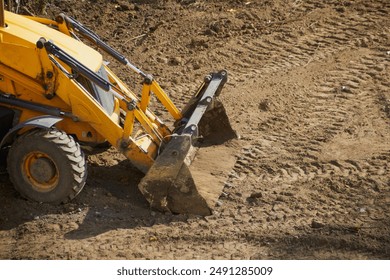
(70, 148)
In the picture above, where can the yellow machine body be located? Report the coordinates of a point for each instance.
(40, 61)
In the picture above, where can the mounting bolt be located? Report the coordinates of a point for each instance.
(131, 105)
(124, 144)
(41, 43)
(208, 78)
(148, 79)
(60, 18)
(50, 95)
(49, 74)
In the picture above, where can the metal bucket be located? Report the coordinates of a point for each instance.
(188, 176)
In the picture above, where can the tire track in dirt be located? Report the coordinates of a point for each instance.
(317, 154)
(348, 90)
(308, 40)
(309, 160)
(357, 95)
(308, 92)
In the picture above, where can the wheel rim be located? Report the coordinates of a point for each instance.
(41, 171)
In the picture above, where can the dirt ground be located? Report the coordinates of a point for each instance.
(308, 94)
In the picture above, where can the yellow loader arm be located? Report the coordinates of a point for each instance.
(164, 154)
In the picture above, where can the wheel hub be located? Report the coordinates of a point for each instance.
(41, 171)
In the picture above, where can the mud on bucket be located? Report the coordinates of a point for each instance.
(188, 176)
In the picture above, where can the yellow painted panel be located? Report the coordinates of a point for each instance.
(23, 32)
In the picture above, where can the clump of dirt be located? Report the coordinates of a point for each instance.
(308, 94)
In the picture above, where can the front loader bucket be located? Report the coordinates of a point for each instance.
(189, 175)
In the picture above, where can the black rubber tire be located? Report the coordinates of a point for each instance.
(57, 152)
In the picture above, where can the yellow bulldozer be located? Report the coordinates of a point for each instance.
(57, 93)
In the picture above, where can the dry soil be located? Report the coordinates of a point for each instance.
(308, 94)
